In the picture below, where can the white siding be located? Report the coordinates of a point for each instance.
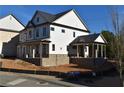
(10, 22)
(71, 19)
(62, 40)
(99, 39)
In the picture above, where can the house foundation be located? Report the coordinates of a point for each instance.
(55, 60)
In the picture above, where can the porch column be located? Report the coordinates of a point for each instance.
(33, 52)
(40, 50)
(20, 52)
(30, 51)
(27, 56)
(102, 51)
(93, 50)
(105, 51)
(97, 50)
(77, 51)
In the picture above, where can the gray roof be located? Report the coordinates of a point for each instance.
(85, 39)
(48, 17)
(52, 17)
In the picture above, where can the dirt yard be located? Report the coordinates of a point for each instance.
(23, 65)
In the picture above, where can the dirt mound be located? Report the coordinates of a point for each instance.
(18, 64)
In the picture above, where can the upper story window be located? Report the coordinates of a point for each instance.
(52, 28)
(63, 30)
(44, 31)
(30, 34)
(73, 34)
(53, 47)
(25, 36)
(37, 32)
(37, 19)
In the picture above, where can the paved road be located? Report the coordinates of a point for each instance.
(15, 80)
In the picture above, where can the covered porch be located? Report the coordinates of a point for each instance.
(33, 51)
(89, 51)
(89, 46)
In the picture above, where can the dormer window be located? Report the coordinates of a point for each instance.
(37, 19)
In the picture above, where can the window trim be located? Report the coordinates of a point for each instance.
(53, 47)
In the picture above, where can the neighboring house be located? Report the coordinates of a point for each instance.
(9, 30)
(52, 39)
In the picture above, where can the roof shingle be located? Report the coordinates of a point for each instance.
(85, 39)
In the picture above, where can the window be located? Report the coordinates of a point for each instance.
(37, 19)
(73, 34)
(52, 29)
(30, 34)
(37, 33)
(45, 52)
(44, 31)
(63, 31)
(25, 36)
(53, 47)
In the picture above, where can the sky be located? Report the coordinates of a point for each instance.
(97, 18)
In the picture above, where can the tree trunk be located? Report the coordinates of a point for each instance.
(120, 73)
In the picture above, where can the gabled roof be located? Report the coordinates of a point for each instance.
(10, 23)
(50, 18)
(87, 39)
(15, 18)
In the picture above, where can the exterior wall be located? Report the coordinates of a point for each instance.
(10, 22)
(6, 38)
(71, 19)
(55, 60)
(62, 40)
(24, 36)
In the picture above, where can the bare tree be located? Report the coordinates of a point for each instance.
(119, 40)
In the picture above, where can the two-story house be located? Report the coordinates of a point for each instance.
(50, 39)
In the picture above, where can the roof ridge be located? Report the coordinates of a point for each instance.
(44, 12)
